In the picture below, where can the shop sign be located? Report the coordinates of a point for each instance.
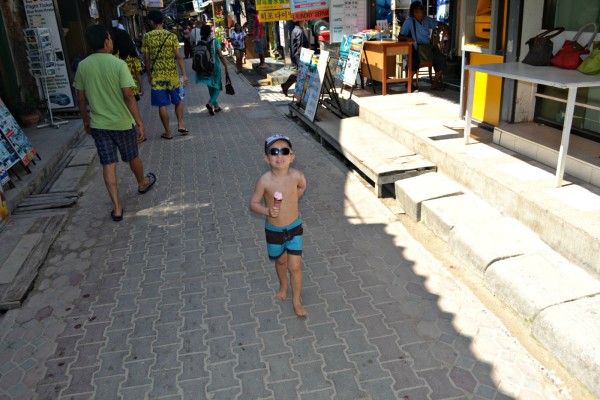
(154, 3)
(275, 15)
(41, 14)
(308, 15)
(272, 4)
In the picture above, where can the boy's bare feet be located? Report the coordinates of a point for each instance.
(281, 294)
(300, 310)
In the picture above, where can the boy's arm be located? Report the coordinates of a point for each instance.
(256, 200)
(301, 184)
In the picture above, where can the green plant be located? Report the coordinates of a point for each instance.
(29, 103)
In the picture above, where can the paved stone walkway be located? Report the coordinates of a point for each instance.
(177, 301)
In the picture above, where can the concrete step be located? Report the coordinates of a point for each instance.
(414, 191)
(518, 187)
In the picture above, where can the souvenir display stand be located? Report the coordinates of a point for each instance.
(42, 63)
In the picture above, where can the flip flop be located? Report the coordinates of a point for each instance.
(218, 109)
(152, 179)
(183, 131)
(117, 218)
(210, 109)
(164, 136)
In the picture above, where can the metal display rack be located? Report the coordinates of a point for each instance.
(42, 63)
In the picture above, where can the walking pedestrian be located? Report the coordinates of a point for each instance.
(124, 48)
(276, 196)
(259, 41)
(105, 83)
(213, 81)
(299, 40)
(161, 49)
(238, 36)
(187, 46)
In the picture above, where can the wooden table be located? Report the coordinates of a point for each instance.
(549, 76)
(381, 57)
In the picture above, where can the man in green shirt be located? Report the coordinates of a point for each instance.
(105, 83)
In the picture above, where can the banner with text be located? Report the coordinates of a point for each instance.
(303, 10)
(275, 15)
(272, 5)
(41, 14)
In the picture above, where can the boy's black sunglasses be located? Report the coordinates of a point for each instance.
(275, 151)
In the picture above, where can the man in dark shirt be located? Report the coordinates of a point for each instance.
(298, 41)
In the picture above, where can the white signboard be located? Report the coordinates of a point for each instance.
(346, 17)
(41, 14)
(314, 87)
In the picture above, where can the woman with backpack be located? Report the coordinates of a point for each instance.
(212, 79)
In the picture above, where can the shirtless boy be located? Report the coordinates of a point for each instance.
(283, 226)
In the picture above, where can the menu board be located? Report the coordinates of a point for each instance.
(347, 17)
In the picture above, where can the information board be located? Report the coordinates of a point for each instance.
(346, 17)
(41, 14)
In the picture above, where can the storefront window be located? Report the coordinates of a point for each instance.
(572, 15)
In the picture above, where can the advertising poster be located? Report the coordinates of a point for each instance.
(443, 11)
(8, 158)
(41, 14)
(353, 62)
(302, 81)
(4, 214)
(317, 75)
(14, 140)
(303, 10)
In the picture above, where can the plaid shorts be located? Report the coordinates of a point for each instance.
(108, 142)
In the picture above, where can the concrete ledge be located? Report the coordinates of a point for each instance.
(479, 245)
(442, 215)
(532, 282)
(83, 156)
(571, 330)
(412, 192)
(520, 188)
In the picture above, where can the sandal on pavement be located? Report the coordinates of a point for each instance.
(151, 181)
(117, 218)
(183, 131)
(210, 109)
(218, 109)
(164, 136)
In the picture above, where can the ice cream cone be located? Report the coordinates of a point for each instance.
(278, 198)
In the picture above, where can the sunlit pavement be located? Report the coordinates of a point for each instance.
(177, 300)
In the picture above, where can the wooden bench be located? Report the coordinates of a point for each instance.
(381, 158)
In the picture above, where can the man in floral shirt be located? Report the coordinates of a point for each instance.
(161, 49)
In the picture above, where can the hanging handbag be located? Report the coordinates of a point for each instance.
(568, 57)
(228, 86)
(591, 65)
(540, 47)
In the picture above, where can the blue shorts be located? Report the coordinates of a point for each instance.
(164, 97)
(284, 238)
(259, 45)
(108, 142)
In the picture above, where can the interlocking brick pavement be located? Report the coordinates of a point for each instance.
(177, 300)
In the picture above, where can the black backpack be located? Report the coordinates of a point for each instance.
(203, 61)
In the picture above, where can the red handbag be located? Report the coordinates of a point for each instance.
(568, 57)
